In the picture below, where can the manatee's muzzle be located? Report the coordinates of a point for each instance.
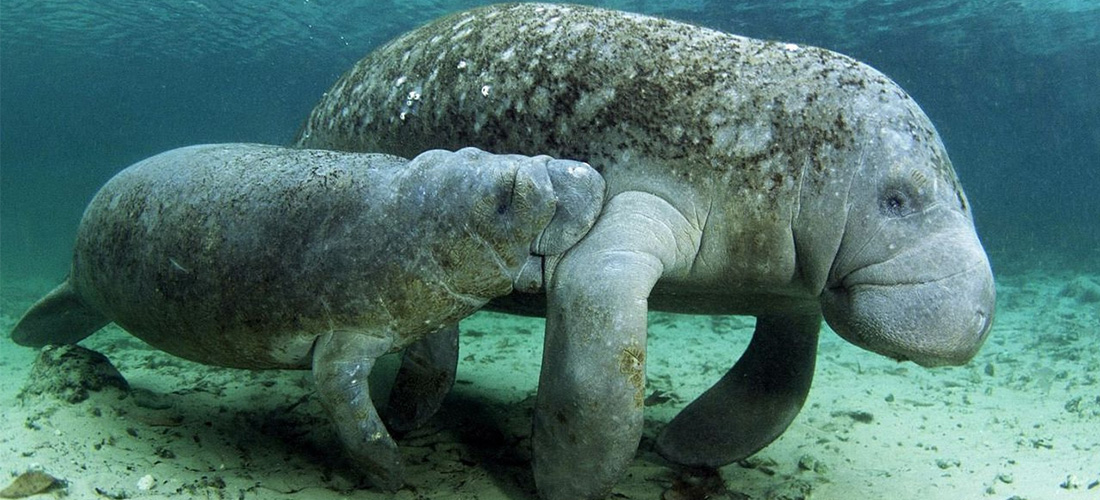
(578, 192)
(932, 321)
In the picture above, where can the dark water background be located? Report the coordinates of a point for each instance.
(88, 87)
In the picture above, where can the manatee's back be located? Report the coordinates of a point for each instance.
(525, 79)
(632, 95)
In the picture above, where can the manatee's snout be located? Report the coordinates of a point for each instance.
(547, 202)
(932, 305)
(578, 193)
(545, 207)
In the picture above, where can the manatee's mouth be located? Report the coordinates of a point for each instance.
(873, 275)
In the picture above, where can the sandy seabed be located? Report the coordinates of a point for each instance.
(1021, 421)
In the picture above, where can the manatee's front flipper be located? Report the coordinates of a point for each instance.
(61, 317)
(342, 362)
(754, 402)
(588, 414)
(426, 376)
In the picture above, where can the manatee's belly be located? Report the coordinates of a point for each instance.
(216, 317)
(247, 317)
(719, 303)
(257, 329)
(213, 345)
(686, 300)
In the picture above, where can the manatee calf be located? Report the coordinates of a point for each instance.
(256, 256)
(744, 177)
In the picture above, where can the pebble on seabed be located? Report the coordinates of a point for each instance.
(146, 483)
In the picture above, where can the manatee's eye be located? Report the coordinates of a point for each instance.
(898, 201)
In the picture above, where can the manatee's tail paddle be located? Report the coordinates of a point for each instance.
(61, 317)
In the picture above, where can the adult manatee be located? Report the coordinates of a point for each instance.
(744, 177)
(256, 256)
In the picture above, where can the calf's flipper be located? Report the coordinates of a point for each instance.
(342, 362)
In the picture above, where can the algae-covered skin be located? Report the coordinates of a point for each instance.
(744, 177)
(256, 256)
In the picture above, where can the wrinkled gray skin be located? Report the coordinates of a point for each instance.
(256, 256)
(744, 177)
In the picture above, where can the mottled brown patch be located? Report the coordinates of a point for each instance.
(632, 364)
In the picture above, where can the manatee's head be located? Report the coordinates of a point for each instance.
(910, 279)
(523, 208)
